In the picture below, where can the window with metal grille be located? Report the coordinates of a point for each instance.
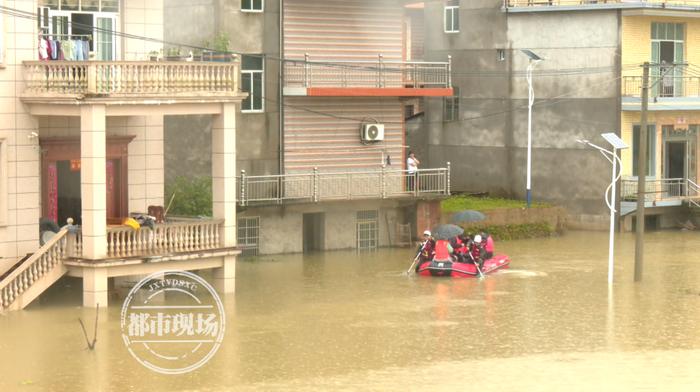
(248, 235)
(367, 229)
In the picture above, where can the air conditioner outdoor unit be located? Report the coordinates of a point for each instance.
(372, 132)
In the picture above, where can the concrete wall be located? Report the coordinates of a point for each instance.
(257, 138)
(144, 19)
(487, 146)
(281, 228)
(19, 152)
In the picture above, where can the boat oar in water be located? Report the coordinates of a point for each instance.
(476, 264)
(416, 258)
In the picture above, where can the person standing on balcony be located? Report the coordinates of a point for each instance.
(412, 165)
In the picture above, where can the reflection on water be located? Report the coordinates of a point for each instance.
(343, 320)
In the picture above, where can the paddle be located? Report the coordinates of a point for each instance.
(416, 258)
(476, 264)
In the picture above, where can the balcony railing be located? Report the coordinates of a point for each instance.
(561, 3)
(316, 186)
(368, 74)
(129, 78)
(180, 236)
(661, 189)
(664, 86)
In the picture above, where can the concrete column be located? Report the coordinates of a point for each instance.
(92, 181)
(224, 189)
(95, 286)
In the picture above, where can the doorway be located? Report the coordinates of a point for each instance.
(68, 201)
(675, 164)
(313, 229)
(61, 167)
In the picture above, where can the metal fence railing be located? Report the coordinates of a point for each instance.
(662, 86)
(316, 186)
(661, 189)
(560, 3)
(372, 74)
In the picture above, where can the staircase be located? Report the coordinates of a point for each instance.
(693, 191)
(36, 273)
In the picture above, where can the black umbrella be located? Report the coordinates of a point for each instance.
(447, 231)
(468, 216)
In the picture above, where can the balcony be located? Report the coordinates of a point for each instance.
(666, 93)
(665, 192)
(558, 5)
(317, 187)
(129, 82)
(367, 78)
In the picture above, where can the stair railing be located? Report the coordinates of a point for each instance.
(48, 257)
(692, 190)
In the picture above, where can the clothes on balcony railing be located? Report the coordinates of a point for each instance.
(75, 48)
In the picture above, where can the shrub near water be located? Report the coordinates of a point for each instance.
(463, 202)
(513, 232)
(192, 196)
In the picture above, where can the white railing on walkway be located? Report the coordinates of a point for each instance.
(130, 78)
(317, 186)
(555, 3)
(372, 74)
(660, 189)
(48, 257)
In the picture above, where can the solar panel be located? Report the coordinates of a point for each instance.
(614, 140)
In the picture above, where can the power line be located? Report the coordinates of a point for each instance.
(388, 69)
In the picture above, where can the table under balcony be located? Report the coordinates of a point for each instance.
(343, 78)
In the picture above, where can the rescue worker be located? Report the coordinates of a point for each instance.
(443, 251)
(460, 248)
(427, 247)
(477, 251)
(489, 248)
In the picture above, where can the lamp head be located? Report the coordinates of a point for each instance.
(531, 55)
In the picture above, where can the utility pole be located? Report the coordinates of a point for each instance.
(641, 177)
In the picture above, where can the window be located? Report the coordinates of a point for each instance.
(501, 54)
(452, 17)
(452, 106)
(667, 49)
(248, 235)
(367, 230)
(3, 181)
(252, 5)
(82, 5)
(252, 70)
(651, 150)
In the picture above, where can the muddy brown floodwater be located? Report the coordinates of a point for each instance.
(354, 321)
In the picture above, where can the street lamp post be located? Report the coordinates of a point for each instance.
(533, 60)
(611, 156)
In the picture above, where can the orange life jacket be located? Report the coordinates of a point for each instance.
(442, 253)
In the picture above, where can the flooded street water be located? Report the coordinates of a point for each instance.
(354, 321)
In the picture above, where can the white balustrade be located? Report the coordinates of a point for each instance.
(164, 239)
(130, 78)
(48, 257)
